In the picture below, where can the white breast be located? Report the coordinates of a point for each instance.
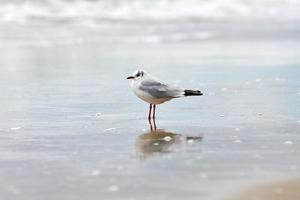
(146, 96)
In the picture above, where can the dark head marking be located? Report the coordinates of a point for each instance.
(140, 73)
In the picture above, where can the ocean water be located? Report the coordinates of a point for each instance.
(206, 10)
(71, 128)
(55, 22)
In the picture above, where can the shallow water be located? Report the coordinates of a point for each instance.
(72, 129)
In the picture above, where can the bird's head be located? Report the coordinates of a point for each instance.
(137, 75)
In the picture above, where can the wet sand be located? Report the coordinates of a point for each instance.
(72, 129)
(277, 190)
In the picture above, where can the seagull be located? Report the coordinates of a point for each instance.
(155, 91)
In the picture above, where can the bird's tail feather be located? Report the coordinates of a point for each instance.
(192, 93)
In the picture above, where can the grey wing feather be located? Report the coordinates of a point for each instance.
(160, 90)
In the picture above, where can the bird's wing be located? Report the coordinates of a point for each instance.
(159, 89)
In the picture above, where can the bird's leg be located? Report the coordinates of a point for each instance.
(154, 123)
(150, 108)
(149, 118)
(154, 106)
(150, 124)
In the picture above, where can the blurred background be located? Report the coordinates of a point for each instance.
(71, 128)
(53, 22)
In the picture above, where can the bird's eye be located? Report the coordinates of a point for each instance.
(138, 74)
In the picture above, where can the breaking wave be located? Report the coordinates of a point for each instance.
(94, 10)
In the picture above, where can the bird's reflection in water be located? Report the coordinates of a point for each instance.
(158, 141)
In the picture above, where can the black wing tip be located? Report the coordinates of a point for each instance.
(192, 93)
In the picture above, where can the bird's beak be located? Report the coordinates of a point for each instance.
(130, 77)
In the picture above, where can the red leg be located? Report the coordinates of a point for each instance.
(154, 106)
(150, 108)
(150, 124)
(154, 124)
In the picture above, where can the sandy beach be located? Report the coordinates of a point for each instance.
(71, 128)
(276, 190)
